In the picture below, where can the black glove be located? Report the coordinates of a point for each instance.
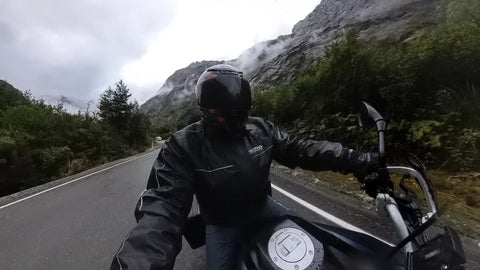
(370, 184)
(376, 182)
(366, 168)
(362, 164)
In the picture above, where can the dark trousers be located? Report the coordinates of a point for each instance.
(224, 243)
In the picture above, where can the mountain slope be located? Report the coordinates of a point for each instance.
(10, 96)
(174, 105)
(281, 60)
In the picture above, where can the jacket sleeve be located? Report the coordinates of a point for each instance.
(161, 213)
(309, 154)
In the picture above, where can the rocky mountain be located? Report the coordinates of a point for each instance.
(174, 103)
(281, 60)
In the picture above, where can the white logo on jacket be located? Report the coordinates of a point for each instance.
(255, 149)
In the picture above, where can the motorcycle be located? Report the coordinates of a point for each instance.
(292, 242)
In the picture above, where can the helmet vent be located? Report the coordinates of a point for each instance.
(226, 72)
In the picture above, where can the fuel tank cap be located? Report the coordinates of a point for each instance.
(291, 248)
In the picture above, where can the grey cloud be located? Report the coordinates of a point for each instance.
(259, 53)
(75, 47)
(6, 33)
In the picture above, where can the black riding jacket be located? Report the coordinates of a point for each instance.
(229, 176)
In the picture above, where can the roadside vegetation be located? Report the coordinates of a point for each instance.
(428, 88)
(40, 142)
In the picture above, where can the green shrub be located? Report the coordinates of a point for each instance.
(52, 159)
(426, 87)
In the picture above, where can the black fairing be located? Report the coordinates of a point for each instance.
(334, 248)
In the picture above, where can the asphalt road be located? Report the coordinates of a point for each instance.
(76, 226)
(79, 222)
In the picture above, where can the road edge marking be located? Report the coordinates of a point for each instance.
(71, 181)
(340, 222)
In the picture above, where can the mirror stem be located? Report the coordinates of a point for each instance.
(381, 126)
(381, 147)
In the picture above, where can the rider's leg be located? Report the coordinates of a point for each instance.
(223, 246)
(272, 208)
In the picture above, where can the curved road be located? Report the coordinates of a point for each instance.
(80, 221)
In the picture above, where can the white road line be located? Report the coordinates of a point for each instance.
(326, 215)
(72, 181)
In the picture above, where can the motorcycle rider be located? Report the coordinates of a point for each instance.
(224, 160)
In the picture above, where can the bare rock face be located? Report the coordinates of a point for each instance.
(174, 103)
(328, 24)
(281, 60)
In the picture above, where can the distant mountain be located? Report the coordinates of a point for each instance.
(10, 96)
(70, 104)
(281, 60)
(175, 103)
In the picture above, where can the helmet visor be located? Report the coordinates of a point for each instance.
(232, 120)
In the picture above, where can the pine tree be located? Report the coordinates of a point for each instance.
(122, 117)
(115, 108)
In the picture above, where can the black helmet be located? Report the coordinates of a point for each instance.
(223, 97)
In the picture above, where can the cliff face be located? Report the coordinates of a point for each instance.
(329, 22)
(175, 101)
(279, 61)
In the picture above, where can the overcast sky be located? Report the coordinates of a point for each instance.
(77, 48)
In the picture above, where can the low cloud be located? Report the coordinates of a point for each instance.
(260, 53)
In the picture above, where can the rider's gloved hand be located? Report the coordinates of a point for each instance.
(366, 168)
(370, 184)
(362, 164)
(373, 183)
